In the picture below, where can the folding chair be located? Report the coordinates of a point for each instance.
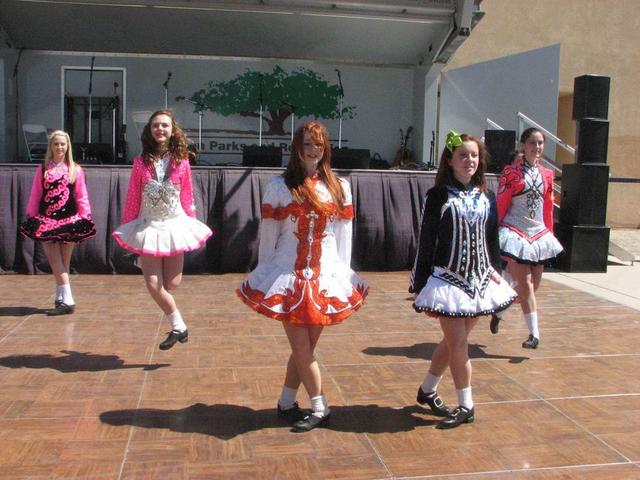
(36, 138)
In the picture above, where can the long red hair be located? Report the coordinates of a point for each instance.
(300, 185)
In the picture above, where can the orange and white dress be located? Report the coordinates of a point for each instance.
(303, 274)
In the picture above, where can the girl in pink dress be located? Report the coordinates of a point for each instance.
(159, 220)
(59, 214)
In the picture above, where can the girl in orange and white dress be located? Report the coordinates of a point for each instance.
(303, 277)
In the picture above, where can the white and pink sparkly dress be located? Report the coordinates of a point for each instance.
(58, 210)
(159, 217)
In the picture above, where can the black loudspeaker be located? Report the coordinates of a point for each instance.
(350, 158)
(501, 145)
(261, 156)
(591, 97)
(586, 247)
(92, 153)
(592, 138)
(584, 194)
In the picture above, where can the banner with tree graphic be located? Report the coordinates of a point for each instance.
(302, 92)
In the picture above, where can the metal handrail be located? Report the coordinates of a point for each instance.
(523, 118)
(493, 124)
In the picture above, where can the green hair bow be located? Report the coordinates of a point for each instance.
(453, 140)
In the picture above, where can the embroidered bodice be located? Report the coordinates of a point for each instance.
(159, 198)
(53, 196)
(459, 235)
(525, 198)
(293, 230)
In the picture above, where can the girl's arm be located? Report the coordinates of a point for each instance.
(505, 192)
(423, 264)
(547, 206)
(134, 193)
(491, 233)
(343, 227)
(33, 207)
(186, 189)
(269, 225)
(82, 196)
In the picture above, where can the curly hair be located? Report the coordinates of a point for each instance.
(178, 143)
(294, 176)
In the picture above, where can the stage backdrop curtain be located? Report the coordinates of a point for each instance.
(388, 206)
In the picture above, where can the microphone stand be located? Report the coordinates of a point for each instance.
(341, 103)
(114, 107)
(93, 59)
(260, 117)
(166, 90)
(431, 152)
(15, 80)
(200, 115)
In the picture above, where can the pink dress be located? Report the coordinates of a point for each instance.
(159, 214)
(58, 210)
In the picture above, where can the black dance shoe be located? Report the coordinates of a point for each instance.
(293, 414)
(494, 326)
(530, 342)
(61, 309)
(57, 302)
(459, 416)
(434, 401)
(174, 336)
(310, 422)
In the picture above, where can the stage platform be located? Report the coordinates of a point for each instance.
(388, 206)
(90, 395)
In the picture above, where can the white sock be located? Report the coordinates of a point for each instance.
(532, 323)
(176, 321)
(66, 294)
(464, 397)
(59, 291)
(430, 383)
(287, 397)
(319, 406)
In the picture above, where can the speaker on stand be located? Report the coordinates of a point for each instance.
(261, 156)
(501, 144)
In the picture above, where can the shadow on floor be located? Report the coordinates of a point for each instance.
(74, 362)
(226, 421)
(425, 350)
(21, 311)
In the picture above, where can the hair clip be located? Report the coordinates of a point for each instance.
(453, 140)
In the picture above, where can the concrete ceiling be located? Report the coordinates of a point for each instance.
(373, 32)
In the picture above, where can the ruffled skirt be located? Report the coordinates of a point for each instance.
(441, 298)
(69, 229)
(327, 299)
(529, 251)
(162, 238)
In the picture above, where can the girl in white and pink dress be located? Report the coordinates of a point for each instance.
(159, 221)
(59, 214)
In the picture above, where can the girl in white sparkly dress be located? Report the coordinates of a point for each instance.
(159, 220)
(525, 212)
(456, 275)
(303, 277)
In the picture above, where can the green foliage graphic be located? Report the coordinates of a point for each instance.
(302, 92)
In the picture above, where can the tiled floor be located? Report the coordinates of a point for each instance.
(90, 396)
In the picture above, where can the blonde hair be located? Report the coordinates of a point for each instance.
(68, 157)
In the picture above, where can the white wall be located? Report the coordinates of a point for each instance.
(383, 97)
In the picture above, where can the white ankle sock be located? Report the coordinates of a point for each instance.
(319, 406)
(464, 397)
(287, 397)
(66, 294)
(430, 383)
(532, 323)
(176, 321)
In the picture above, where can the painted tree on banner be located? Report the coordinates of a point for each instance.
(302, 92)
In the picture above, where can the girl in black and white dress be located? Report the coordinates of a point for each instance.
(456, 275)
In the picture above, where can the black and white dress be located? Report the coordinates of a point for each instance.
(457, 269)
